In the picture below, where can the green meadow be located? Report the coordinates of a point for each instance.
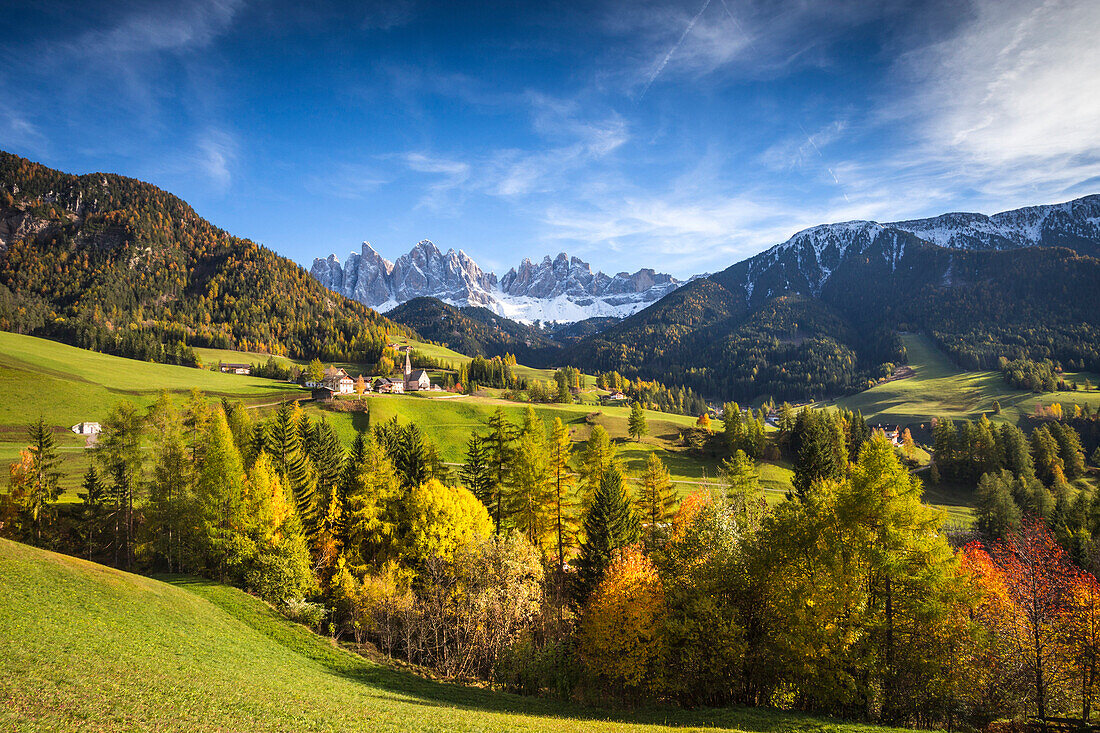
(939, 389)
(86, 647)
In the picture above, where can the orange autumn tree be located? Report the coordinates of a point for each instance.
(1027, 581)
(1080, 636)
(620, 631)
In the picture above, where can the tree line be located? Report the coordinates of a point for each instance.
(541, 566)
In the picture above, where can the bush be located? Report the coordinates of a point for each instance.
(304, 612)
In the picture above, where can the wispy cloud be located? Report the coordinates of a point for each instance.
(1010, 102)
(445, 175)
(215, 156)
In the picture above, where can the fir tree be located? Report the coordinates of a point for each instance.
(609, 525)
(500, 442)
(93, 510)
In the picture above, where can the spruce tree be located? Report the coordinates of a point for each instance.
(817, 457)
(119, 451)
(636, 424)
(609, 525)
(500, 441)
(41, 483)
(93, 500)
(170, 483)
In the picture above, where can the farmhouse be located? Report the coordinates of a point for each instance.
(338, 381)
(236, 368)
(86, 428)
(384, 385)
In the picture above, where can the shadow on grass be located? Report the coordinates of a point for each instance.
(404, 687)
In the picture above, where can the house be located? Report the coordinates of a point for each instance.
(384, 385)
(236, 368)
(338, 381)
(86, 428)
(415, 381)
(322, 393)
(613, 397)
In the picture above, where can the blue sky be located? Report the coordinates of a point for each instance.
(682, 136)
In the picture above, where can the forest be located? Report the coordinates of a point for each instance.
(116, 265)
(539, 567)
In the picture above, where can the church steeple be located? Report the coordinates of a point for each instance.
(408, 363)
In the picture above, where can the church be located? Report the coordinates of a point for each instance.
(415, 381)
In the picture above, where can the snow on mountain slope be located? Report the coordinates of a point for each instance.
(806, 261)
(563, 289)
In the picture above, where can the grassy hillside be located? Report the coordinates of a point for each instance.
(939, 389)
(86, 647)
(67, 385)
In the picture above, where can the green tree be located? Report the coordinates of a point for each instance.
(530, 489)
(743, 486)
(501, 444)
(170, 484)
(477, 472)
(656, 503)
(636, 424)
(315, 371)
(559, 451)
(598, 457)
(119, 451)
(609, 525)
(220, 501)
(93, 511)
(38, 482)
(817, 455)
(997, 513)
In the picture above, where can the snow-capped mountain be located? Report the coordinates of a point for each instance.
(563, 289)
(805, 262)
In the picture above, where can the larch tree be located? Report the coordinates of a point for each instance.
(656, 504)
(530, 490)
(119, 451)
(562, 479)
(170, 484)
(597, 458)
(501, 447)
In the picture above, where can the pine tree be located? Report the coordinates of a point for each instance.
(656, 499)
(477, 472)
(609, 525)
(743, 485)
(732, 425)
(817, 457)
(636, 424)
(530, 491)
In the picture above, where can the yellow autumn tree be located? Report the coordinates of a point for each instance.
(620, 636)
(439, 519)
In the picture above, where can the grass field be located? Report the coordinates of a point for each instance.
(939, 389)
(449, 420)
(66, 385)
(85, 647)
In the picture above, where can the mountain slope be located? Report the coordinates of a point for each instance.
(474, 331)
(818, 314)
(86, 647)
(562, 289)
(118, 265)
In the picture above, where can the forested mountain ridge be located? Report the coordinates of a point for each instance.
(474, 331)
(818, 314)
(117, 265)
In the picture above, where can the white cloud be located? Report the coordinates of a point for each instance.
(1011, 101)
(215, 157)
